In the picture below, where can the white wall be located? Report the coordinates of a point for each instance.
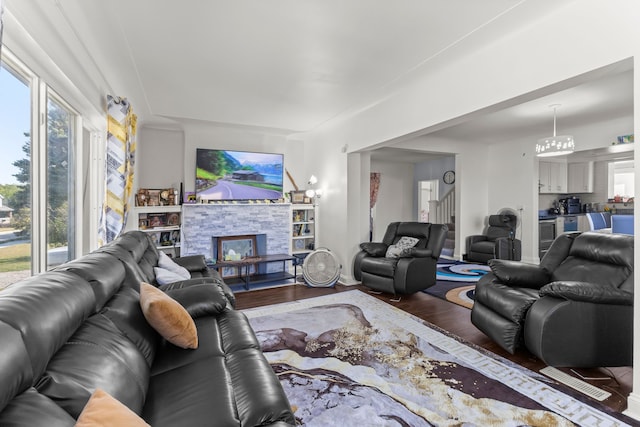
(160, 158)
(396, 195)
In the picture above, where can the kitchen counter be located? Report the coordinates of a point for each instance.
(554, 216)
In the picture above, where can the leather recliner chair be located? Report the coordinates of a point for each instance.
(498, 242)
(413, 270)
(573, 309)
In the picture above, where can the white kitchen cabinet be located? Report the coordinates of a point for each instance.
(552, 177)
(580, 177)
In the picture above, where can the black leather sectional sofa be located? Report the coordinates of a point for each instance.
(66, 332)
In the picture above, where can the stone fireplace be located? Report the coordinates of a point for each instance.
(201, 223)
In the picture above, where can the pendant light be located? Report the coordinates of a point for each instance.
(559, 145)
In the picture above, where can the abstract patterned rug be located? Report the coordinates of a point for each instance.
(350, 359)
(455, 281)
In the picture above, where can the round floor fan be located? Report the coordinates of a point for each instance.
(321, 268)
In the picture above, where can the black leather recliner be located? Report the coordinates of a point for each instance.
(574, 309)
(498, 242)
(414, 269)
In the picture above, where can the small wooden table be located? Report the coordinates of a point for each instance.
(259, 274)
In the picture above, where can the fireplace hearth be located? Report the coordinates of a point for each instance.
(203, 223)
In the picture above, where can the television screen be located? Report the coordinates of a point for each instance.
(238, 175)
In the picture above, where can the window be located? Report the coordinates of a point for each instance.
(15, 175)
(621, 180)
(38, 134)
(60, 183)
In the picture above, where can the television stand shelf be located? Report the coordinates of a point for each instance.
(245, 276)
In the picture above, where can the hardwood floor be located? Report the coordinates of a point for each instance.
(448, 316)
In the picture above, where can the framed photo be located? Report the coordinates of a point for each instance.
(153, 198)
(166, 197)
(297, 197)
(156, 220)
(173, 218)
(236, 248)
(165, 238)
(143, 223)
(175, 237)
(155, 238)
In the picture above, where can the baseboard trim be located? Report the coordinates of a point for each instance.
(348, 281)
(633, 406)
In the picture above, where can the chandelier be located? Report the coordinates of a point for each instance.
(556, 145)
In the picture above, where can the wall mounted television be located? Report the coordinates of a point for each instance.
(238, 175)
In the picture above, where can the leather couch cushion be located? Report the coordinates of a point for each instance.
(91, 268)
(15, 366)
(484, 247)
(226, 379)
(126, 314)
(33, 409)
(102, 410)
(38, 315)
(168, 317)
(379, 266)
(96, 356)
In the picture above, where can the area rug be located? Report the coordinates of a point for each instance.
(455, 281)
(350, 359)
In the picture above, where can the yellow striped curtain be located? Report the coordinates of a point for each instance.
(120, 160)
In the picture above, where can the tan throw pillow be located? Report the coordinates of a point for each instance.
(102, 410)
(168, 317)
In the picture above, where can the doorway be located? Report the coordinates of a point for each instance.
(427, 190)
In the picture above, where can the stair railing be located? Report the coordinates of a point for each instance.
(442, 211)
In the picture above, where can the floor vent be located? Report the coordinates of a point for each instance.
(575, 383)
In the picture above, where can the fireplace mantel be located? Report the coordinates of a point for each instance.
(200, 222)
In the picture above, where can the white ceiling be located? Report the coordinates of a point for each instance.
(291, 65)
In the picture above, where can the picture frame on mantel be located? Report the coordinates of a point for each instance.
(297, 196)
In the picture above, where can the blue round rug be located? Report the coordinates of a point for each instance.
(455, 281)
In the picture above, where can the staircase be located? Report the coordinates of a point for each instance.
(450, 241)
(443, 212)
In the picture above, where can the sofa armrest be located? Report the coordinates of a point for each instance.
(192, 262)
(375, 249)
(201, 300)
(418, 253)
(587, 292)
(215, 281)
(520, 274)
(474, 239)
